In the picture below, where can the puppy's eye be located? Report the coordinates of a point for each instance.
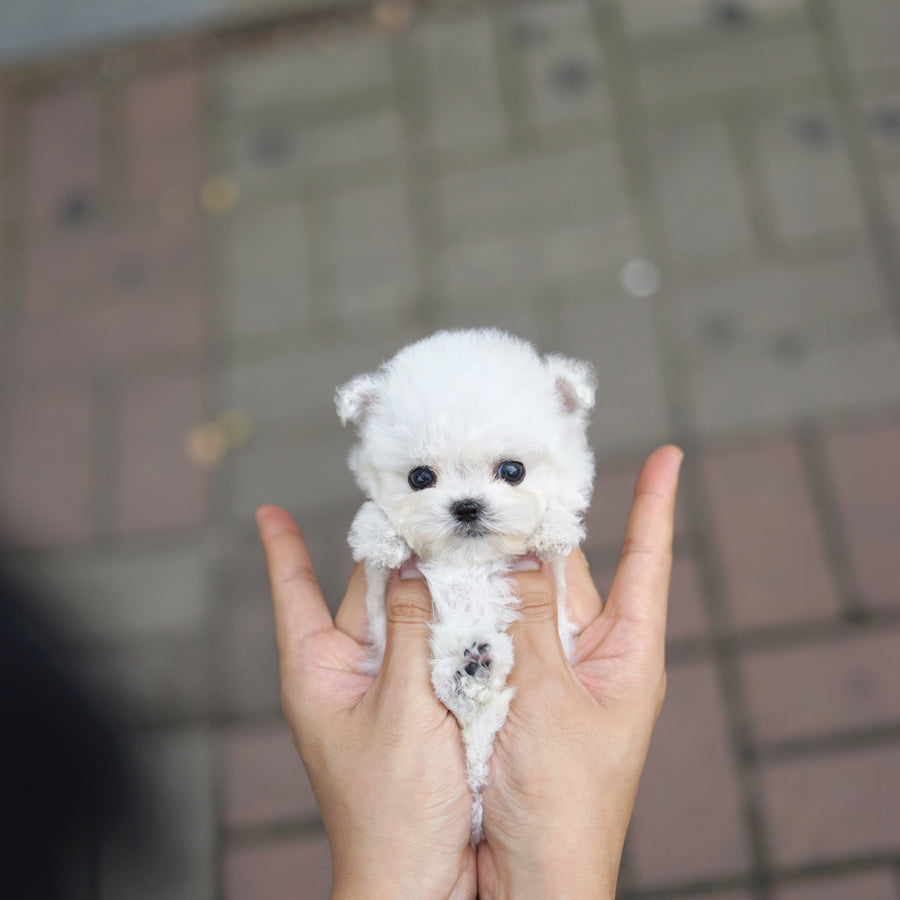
(421, 477)
(511, 471)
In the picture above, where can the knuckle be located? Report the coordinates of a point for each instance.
(408, 606)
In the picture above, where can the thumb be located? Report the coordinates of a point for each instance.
(408, 620)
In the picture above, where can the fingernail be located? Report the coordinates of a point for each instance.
(527, 563)
(409, 570)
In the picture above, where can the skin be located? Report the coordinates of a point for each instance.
(384, 756)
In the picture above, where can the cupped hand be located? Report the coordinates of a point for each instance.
(566, 764)
(383, 755)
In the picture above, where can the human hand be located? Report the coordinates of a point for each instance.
(383, 755)
(567, 762)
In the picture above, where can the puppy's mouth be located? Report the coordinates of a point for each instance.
(471, 529)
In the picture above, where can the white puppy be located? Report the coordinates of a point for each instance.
(472, 452)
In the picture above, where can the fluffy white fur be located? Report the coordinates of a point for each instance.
(461, 403)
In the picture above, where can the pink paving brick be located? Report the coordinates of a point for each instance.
(47, 491)
(879, 885)
(126, 260)
(687, 617)
(687, 818)
(264, 781)
(295, 868)
(63, 149)
(163, 116)
(834, 806)
(613, 493)
(838, 685)
(765, 531)
(866, 470)
(156, 487)
(171, 323)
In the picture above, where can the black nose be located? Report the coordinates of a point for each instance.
(466, 510)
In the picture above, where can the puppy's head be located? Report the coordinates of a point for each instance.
(474, 446)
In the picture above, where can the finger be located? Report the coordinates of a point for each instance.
(582, 597)
(641, 585)
(535, 632)
(300, 608)
(408, 626)
(351, 615)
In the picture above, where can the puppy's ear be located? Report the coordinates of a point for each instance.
(354, 400)
(575, 380)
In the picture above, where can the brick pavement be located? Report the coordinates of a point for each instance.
(197, 245)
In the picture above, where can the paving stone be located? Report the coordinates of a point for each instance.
(126, 594)
(655, 20)
(156, 486)
(163, 140)
(180, 768)
(689, 778)
(580, 184)
(880, 100)
(616, 334)
(49, 477)
(282, 867)
(122, 260)
(855, 371)
(63, 143)
(833, 806)
(768, 308)
(297, 386)
(880, 884)
(274, 153)
(708, 72)
(308, 475)
(160, 681)
(698, 223)
(563, 60)
(687, 615)
(302, 73)
(764, 528)
(836, 686)
(807, 173)
(171, 322)
(870, 32)
(493, 302)
(864, 463)
(264, 781)
(464, 94)
(265, 271)
(373, 266)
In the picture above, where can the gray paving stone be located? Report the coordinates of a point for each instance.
(856, 371)
(699, 221)
(310, 476)
(563, 62)
(180, 767)
(807, 173)
(126, 594)
(881, 119)
(465, 102)
(662, 19)
(294, 389)
(265, 272)
(870, 32)
(716, 69)
(585, 182)
(159, 680)
(776, 307)
(616, 334)
(275, 153)
(373, 265)
(303, 73)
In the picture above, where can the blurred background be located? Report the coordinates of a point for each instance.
(214, 211)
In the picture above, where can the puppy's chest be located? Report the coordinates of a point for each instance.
(470, 596)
